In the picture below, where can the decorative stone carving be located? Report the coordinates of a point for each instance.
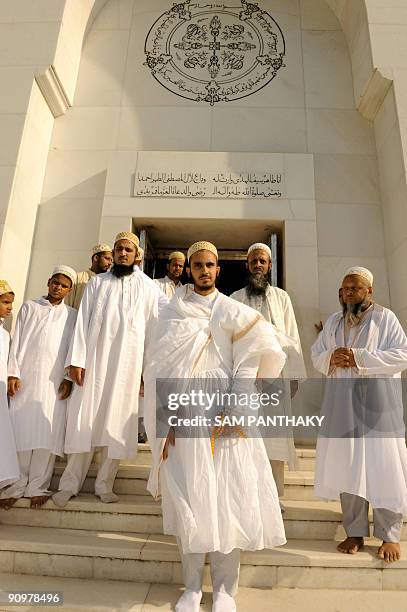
(215, 51)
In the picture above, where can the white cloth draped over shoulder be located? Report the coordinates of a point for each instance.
(9, 470)
(276, 307)
(37, 357)
(372, 466)
(230, 500)
(114, 318)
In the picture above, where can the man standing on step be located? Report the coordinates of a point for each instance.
(361, 451)
(38, 389)
(175, 268)
(9, 470)
(105, 362)
(217, 487)
(275, 306)
(101, 261)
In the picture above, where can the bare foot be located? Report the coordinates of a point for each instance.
(389, 552)
(38, 501)
(8, 503)
(350, 546)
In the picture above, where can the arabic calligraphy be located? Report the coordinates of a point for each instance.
(214, 52)
(237, 185)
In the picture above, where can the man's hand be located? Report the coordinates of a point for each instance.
(343, 358)
(294, 386)
(319, 326)
(170, 441)
(13, 385)
(77, 375)
(64, 390)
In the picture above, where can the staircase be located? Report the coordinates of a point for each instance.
(124, 541)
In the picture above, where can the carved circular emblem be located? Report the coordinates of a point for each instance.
(214, 51)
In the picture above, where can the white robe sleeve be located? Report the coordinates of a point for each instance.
(244, 383)
(384, 362)
(13, 368)
(321, 354)
(77, 351)
(295, 366)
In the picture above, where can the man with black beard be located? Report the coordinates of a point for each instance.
(105, 361)
(275, 306)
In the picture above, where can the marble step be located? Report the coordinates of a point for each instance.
(154, 558)
(312, 520)
(88, 595)
(132, 479)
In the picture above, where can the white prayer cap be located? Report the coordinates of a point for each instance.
(259, 246)
(359, 271)
(66, 271)
(176, 255)
(5, 287)
(101, 248)
(202, 245)
(127, 236)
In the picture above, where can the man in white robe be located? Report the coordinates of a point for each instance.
(218, 491)
(105, 361)
(38, 389)
(9, 470)
(102, 259)
(276, 307)
(361, 451)
(171, 280)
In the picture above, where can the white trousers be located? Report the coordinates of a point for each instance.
(224, 570)
(77, 468)
(387, 525)
(36, 468)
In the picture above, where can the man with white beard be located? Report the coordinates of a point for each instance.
(217, 487)
(276, 307)
(361, 452)
(117, 312)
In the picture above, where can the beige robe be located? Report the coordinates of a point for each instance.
(167, 286)
(278, 310)
(75, 296)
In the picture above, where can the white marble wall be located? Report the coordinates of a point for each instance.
(308, 108)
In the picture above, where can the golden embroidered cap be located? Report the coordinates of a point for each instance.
(127, 236)
(259, 246)
(359, 271)
(202, 246)
(66, 271)
(5, 287)
(176, 255)
(101, 248)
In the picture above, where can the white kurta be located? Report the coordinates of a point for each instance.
(113, 319)
(9, 470)
(167, 286)
(373, 466)
(276, 307)
(37, 357)
(230, 500)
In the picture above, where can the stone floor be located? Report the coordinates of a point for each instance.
(98, 596)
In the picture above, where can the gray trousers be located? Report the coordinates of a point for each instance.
(277, 468)
(386, 524)
(224, 570)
